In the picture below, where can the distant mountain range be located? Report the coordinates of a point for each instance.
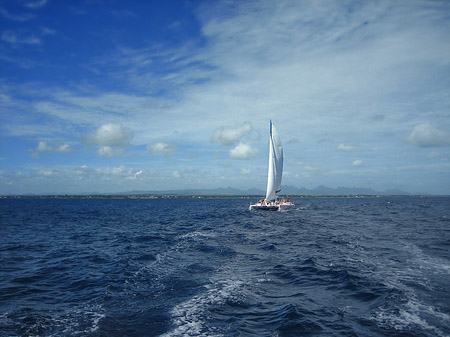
(285, 190)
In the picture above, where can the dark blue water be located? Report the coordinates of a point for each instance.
(210, 267)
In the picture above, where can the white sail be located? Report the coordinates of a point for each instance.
(275, 165)
(270, 203)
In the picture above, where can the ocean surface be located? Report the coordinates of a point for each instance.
(209, 267)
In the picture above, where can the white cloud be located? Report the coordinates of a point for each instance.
(321, 70)
(81, 170)
(242, 151)
(245, 171)
(229, 135)
(46, 173)
(118, 170)
(53, 147)
(426, 135)
(163, 148)
(15, 17)
(12, 38)
(110, 134)
(106, 151)
(357, 163)
(147, 116)
(63, 148)
(49, 147)
(121, 172)
(348, 148)
(48, 31)
(36, 4)
(134, 176)
(43, 147)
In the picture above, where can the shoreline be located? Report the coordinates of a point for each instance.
(197, 196)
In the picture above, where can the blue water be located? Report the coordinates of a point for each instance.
(210, 267)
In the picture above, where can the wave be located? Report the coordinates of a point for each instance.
(190, 317)
(182, 267)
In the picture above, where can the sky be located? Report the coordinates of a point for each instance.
(114, 96)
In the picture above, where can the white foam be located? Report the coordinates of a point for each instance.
(5, 320)
(78, 322)
(189, 317)
(161, 258)
(414, 313)
(197, 234)
(430, 263)
(409, 317)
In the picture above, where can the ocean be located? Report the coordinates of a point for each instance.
(372, 266)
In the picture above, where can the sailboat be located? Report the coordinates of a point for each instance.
(271, 202)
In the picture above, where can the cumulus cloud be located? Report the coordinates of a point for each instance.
(110, 134)
(347, 148)
(63, 148)
(242, 151)
(43, 147)
(54, 147)
(49, 147)
(229, 135)
(426, 135)
(135, 175)
(353, 61)
(357, 163)
(106, 151)
(163, 148)
(78, 179)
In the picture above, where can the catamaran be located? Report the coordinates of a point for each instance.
(271, 202)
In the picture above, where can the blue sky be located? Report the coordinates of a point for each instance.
(110, 96)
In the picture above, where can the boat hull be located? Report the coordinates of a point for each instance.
(276, 207)
(264, 207)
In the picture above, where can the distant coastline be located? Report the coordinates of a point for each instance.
(320, 191)
(164, 196)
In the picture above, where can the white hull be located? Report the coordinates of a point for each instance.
(272, 207)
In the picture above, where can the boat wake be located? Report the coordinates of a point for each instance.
(190, 318)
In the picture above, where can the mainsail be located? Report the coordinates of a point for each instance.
(275, 164)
